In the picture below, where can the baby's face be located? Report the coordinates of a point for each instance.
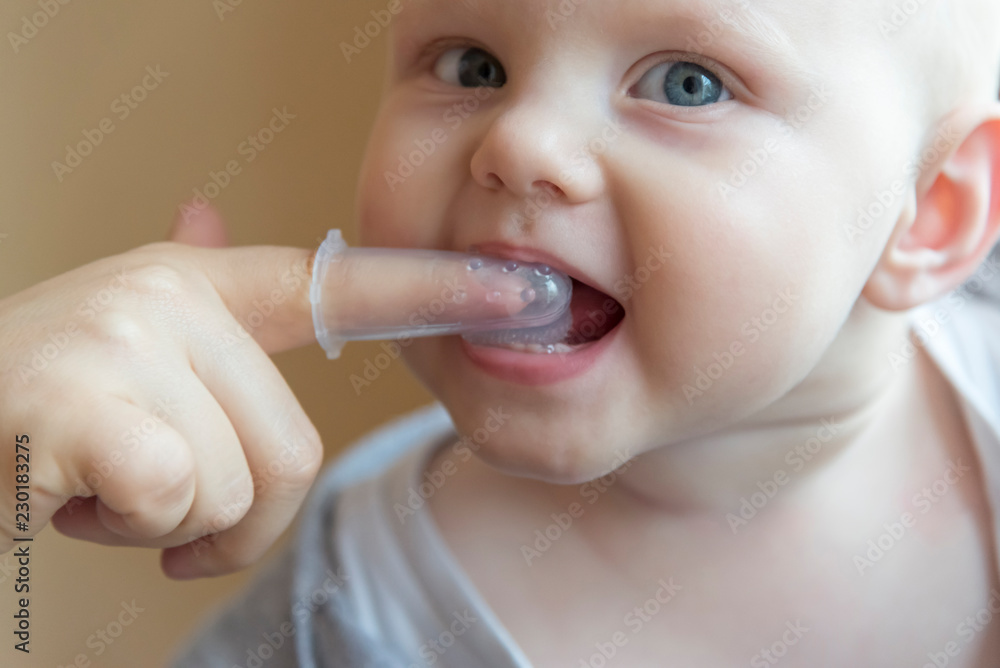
(701, 162)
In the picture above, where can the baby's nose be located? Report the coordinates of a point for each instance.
(528, 149)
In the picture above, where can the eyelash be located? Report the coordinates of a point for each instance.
(432, 52)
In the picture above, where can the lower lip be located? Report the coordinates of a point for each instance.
(537, 368)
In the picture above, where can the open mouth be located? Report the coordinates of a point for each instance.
(594, 315)
(591, 316)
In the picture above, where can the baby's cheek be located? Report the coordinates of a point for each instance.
(735, 376)
(401, 189)
(722, 336)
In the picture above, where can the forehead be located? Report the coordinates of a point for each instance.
(777, 43)
(766, 19)
(760, 28)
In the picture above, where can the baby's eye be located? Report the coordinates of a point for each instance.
(470, 68)
(682, 84)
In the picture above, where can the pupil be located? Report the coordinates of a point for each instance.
(478, 68)
(690, 85)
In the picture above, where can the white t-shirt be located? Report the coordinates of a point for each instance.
(408, 586)
(367, 585)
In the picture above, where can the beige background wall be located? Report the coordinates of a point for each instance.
(225, 76)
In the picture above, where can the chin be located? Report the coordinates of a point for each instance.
(521, 432)
(550, 453)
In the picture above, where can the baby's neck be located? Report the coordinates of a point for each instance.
(853, 404)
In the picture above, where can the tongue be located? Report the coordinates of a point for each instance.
(586, 320)
(591, 320)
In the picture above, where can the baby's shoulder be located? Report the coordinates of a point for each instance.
(959, 332)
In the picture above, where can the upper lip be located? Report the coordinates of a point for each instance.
(536, 255)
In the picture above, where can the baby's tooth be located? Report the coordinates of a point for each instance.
(537, 348)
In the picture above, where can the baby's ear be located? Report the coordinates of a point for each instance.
(954, 226)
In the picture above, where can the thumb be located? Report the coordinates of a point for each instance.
(199, 225)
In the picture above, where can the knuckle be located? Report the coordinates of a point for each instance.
(157, 280)
(229, 513)
(123, 333)
(169, 295)
(169, 485)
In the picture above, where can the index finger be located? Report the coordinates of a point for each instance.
(379, 293)
(384, 293)
(266, 289)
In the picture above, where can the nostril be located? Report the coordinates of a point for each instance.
(549, 187)
(494, 181)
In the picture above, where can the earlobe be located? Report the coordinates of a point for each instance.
(944, 234)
